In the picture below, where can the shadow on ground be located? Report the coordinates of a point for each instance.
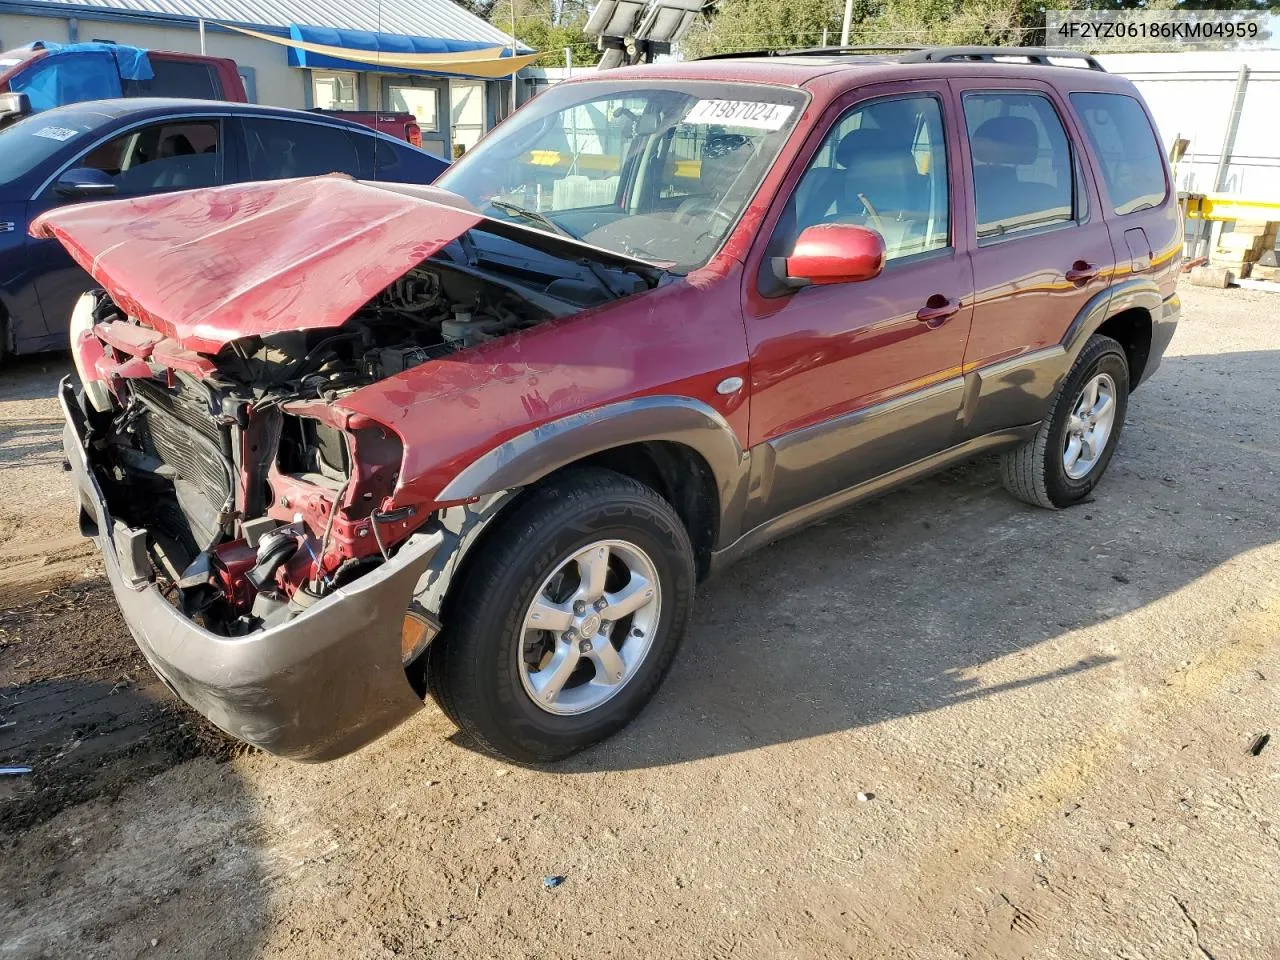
(888, 609)
(34, 377)
(81, 708)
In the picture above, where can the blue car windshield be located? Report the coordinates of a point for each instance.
(32, 141)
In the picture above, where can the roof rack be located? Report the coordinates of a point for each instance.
(917, 54)
(1036, 55)
(817, 51)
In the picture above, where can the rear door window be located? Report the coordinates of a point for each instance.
(281, 149)
(1023, 172)
(1126, 148)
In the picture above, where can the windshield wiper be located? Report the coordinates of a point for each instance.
(533, 216)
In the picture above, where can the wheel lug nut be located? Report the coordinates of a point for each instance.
(579, 607)
(571, 634)
(585, 646)
(606, 626)
(601, 603)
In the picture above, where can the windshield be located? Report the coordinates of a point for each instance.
(30, 142)
(659, 171)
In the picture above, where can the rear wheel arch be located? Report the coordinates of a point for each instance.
(1125, 312)
(1132, 329)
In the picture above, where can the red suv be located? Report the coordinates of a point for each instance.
(344, 444)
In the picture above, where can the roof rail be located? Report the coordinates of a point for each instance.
(1036, 55)
(817, 51)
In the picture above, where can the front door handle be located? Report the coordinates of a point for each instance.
(937, 310)
(1082, 271)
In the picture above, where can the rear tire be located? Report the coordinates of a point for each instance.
(529, 694)
(1070, 452)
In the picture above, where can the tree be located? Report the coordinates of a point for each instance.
(732, 25)
(548, 26)
(768, 24)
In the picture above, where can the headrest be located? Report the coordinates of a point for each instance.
(1010, 141)
(176, 146)
(865, 145)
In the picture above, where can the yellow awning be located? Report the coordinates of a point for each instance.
(485, 62)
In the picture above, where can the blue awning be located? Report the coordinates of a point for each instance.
(389, 43)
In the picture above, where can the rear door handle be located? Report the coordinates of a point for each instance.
(1082, 271)
(937, 310)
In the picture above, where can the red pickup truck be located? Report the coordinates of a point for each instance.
(43, 75)
(401, 125)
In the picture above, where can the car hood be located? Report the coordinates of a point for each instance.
(205, 267)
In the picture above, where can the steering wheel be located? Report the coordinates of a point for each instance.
(697, 209)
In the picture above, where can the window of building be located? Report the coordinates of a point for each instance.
(422, 102)
(1023, 173)
(466, 113)
(333, 91)
(1125, 145)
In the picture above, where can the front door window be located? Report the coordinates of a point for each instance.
(179, 155)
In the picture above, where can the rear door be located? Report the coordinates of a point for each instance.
(1041, 248)
(178, 153)
(850, 381)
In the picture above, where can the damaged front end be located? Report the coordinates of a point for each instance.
(266, 523)
(260, 492)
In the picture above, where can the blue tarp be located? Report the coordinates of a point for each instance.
(75, 72)
(368, 41)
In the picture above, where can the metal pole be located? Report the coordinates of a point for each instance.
(1228, 145)
(513, 53)
(848, 21)
(203, 52)
(568, 61)
(824, 36)
(1233, 123)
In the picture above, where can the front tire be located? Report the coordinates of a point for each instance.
(1067, 457)
(568, 619)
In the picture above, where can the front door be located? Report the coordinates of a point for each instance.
(428, 101)
(1041, 250)
(177, 154)
(851, 381)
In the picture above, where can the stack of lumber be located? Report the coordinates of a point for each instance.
(1240, 249)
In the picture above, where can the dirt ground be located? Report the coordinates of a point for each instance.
(943, 725)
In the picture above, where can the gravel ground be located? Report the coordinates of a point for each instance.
(942, 725)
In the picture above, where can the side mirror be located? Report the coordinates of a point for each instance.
(13, 106)
(84, 183)
(831, 253)
(1179, 149)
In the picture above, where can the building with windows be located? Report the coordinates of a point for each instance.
(411, 55)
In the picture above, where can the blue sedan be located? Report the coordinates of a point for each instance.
(129, 148)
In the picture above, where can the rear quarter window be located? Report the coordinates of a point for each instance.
(1126, 148)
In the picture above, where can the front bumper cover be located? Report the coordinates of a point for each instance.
(320, 686)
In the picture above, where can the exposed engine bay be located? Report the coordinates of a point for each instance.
(258, 495)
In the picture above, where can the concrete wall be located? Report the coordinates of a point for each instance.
(1190, 95)
(277, 83)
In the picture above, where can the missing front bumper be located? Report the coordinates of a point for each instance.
(320, 686)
